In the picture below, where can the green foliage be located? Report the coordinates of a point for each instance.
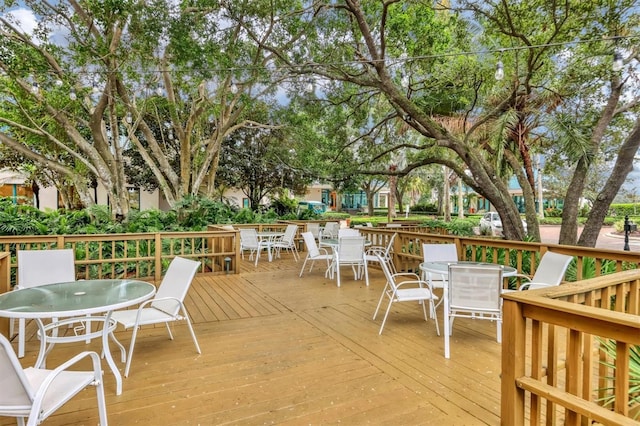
(196, 213)
(284, 206)
(335, 215)
(609, 348)
(461, 227)
(552, 212)
(307, 214)
(626, 209)
(426, 207)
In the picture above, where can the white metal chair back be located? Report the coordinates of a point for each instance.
(290, 234)
(175, 284)
(35, 393)
(383, 251)
(310, 243)
(249, 238)
(439, 253)
(314, 228)
(473, 292)
(330, 230)
(16, 390)
(348, 232)
(40, 267)
(351, 249)
(550, 271)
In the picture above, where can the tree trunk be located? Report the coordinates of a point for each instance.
(569, 228)
(624, 164)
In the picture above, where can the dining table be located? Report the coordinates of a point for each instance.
(80, 304)
(442, 267)
(270, 237)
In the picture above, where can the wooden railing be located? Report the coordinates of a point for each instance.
(144, 256)
(554, 368)
(524, 256)
(147, 255)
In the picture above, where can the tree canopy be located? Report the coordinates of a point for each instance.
(362, 89)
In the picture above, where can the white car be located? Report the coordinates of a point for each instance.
(491, 223)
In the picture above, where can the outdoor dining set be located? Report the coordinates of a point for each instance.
(466, 289)
(67, 310)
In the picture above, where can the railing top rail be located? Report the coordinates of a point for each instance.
(551, 305)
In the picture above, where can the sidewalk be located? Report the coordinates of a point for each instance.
(607, 238)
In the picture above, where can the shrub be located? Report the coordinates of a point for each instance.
(428, 208)
(335, 215)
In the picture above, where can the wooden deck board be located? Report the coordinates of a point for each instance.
(281, 349)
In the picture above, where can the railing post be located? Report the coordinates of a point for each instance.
(5, 286)
(513, 364)
(157, 276)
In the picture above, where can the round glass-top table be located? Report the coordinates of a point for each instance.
(76, 301)
(442, 267)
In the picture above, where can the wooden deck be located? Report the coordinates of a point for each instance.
(278, 349)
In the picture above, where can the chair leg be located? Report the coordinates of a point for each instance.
(305, 264)
(21, 337)
(193, 334)
(386, 314)
(337, 266)
(169, 330)
(131, 345)
(366, 274)
(384, 290)
(123, 352)
(447, 332)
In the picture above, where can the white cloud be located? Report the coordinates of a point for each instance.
(24, 19)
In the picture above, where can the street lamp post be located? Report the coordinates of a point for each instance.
(628, 227)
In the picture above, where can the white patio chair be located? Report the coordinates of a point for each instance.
(167, 305)
(249, 240)
(438, 253)
(330, 230)
(288, 242)
(386, 252)
(473, 291)
(314, 228)
(348, 232)
(41, 267)
(350, 252)
(314, 253)
(404, 287)
(35, 393)
(550, 272)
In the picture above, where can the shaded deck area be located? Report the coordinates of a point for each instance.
(279, 349)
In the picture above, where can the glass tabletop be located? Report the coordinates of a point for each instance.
(442, 267)
(334, 242)
(74, 298)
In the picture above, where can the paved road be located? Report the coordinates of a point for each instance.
(606, 240)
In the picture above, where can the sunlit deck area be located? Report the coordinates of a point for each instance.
(279, 349)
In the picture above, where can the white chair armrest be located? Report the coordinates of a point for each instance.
(407, 274)
(527, 286)
(523, 276)
(42, 390)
